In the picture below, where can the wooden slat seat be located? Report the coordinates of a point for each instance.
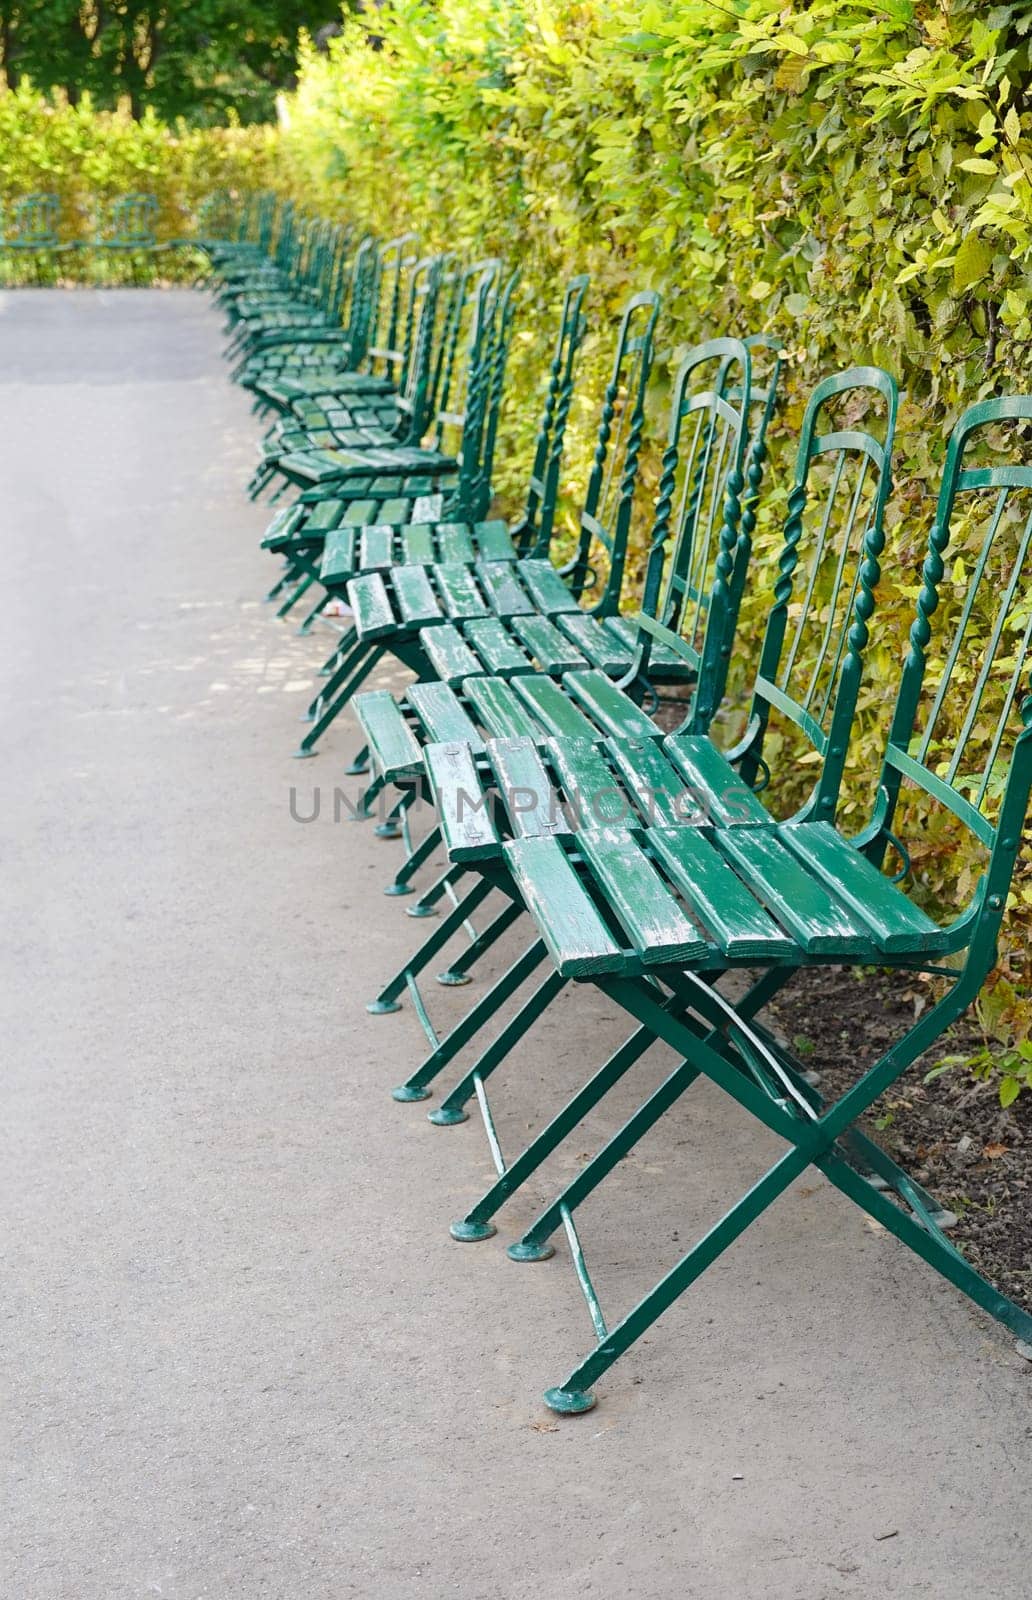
(336, 466)
(749, 894)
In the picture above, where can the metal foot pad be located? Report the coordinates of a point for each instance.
(399, 888)
(380, 1008)
(420, 910)
(569, 1402)
(470, 1232)
(387, 830)
(303, 754)
(404, 1092)
(530, 1252)
(447, 1116)
(453, 980)
(356, 768)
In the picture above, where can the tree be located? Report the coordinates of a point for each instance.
(197, 60)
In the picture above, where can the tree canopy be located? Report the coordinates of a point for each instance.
(199, 61)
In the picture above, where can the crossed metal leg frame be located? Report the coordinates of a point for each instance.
(715, 1039)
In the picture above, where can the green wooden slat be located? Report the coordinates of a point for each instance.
(528, 795)
(547, 645)
(339, 417)
(497, 649)
(657, 788)
(419, 486)
(376, 547)
(397, 512)
(463, 808)
(359, 513)
(587, 781)
(799, 901)
(448, 653)
(414, 598)
(311, 415)
(427, 507)
(718, 896)
(282, 526)
(498, 581)
(499, 710)
(895, 922)
(575, 935)
(713, 781)
(595, 644)
(394, 747)
(317, 466)
(493, 541)
(372, 435)
(553, 708)
(325, 514)
(416, 544)
(386, 486)
(369, 600)
(613, 711)
(440, 711)
(545, 587)
(458, 591)
(454, 542)
(338, 557)
(657, 926)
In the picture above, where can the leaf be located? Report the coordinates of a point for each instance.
(993, 1152)
(972, 262)
(1010, 1088)
(978, 164)
(1012, 125)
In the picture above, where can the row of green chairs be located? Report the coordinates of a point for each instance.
(32, 231)
(660, 864)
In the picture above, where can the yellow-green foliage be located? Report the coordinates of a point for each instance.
(88, 157)
(854, 175)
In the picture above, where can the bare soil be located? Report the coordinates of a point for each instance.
(951, 1134)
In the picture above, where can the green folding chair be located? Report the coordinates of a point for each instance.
(805, 895)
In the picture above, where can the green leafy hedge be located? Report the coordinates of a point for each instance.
(87, 157)
(855, 175)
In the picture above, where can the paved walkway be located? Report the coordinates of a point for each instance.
(241, 1355)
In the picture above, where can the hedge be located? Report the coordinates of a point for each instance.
(853, 175)
(87, 157)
